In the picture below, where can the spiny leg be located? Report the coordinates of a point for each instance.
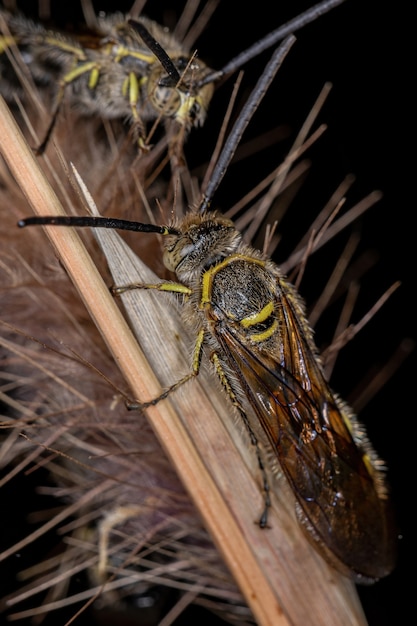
(253, 439)
(131, 91)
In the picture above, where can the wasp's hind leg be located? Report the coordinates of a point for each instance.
(263, 520)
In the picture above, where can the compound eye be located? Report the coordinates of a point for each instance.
(181, 64)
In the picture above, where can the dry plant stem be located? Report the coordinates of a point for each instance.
(281, 575)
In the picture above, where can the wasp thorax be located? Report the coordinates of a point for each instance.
(202, 242)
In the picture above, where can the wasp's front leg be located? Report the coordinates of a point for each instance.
(131, 90)
(163, 286)
(197, 354)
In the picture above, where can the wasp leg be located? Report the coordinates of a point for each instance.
(254, 441)
(198, 351)
(174, 288)
(177, 134)
(167, 286)
(131, 91)
(66, 80)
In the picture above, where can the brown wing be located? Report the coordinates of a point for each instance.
(331, 476)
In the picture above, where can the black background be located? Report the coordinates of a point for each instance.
(363, 48)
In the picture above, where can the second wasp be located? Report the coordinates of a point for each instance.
(130, 69)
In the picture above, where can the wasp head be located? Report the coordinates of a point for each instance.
(202, 241)
(181, 100)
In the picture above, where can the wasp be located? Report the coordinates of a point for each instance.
(131, 69)
(114, 74)
(251, 323)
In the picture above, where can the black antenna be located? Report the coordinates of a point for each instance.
(159, 52)
(243, 120)
(96, 222)
(270, 40)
